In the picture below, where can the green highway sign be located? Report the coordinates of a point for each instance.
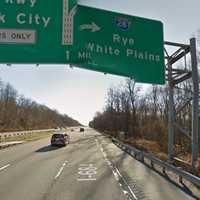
(36, 31)
(62, 32)
(120, 44)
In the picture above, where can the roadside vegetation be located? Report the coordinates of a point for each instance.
(19, 113)
(28, 137)
(140, 118)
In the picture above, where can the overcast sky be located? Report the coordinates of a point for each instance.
(80, 93)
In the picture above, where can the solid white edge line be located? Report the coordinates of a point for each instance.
(4, 167)
(126, 183)
(113, 168)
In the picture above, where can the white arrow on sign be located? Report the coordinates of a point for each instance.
(93, 27)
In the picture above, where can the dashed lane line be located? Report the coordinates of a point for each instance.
(4, 167)
(60, 170)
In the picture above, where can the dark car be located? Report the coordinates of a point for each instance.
(81, 129)
(59, 139)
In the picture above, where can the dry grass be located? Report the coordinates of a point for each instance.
(154, 147)
(28, 137)
(145, 145)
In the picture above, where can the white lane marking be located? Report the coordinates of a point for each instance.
(60, 170)
(87, 172)
(4, 167)
(126, 184)
(116, 172)
(86, 179)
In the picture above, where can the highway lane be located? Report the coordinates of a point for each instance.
(37, 171)
(89, 168)
(20, 152)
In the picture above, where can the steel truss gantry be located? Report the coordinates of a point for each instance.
(175, 76)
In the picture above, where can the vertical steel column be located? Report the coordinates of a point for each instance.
(195, 106)
(171, 114)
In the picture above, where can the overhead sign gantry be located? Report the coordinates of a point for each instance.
(62, 32)
(120, 44)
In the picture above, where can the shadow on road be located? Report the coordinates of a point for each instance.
(47, 149)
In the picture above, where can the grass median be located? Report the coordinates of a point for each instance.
(28, 137)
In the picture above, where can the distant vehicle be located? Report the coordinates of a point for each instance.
(82, 129)
(59, 139)
(67, 138)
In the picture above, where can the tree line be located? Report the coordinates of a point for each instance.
(20, 113)
(144, 114)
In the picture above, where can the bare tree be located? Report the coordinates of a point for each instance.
(19, 113)
(133, 92)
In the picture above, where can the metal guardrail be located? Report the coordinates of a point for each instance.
(140, 155)
(18, 133)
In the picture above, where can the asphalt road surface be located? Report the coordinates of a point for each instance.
(89, 168)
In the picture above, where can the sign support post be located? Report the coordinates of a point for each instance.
(171, 114)
(195, 104)
(174, 78)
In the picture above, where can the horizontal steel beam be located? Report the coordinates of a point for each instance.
(176, 44)
(183, 78)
